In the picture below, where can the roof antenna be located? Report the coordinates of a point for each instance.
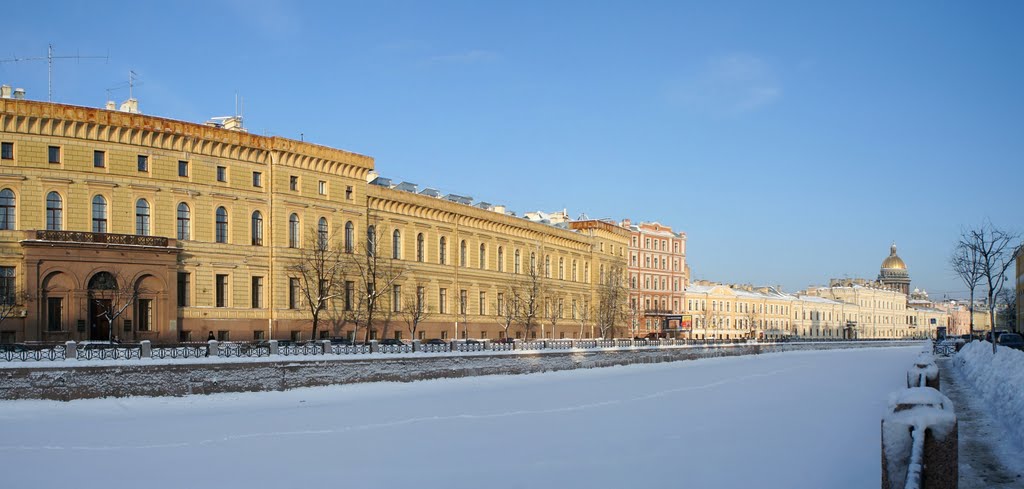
(49, 65)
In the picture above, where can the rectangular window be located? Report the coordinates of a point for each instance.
(350, 289)
(54, 307)
(8, 289)
(293, 183)
(222, 291)
(421, 293)
(184, 286)
(143, 162)
(182, 168)
(482, 304)
(144, 316)
(257, 179)
(293, 293)
(322, 187)
(54, 154)
(442, 299)
(222, 174)
(99, 159)
(348, 192)
(463, 302)
(257, 335)
(223, 335)
(396, 298)
(257, 292)
(7, 151)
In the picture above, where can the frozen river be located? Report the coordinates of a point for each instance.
(786, 420)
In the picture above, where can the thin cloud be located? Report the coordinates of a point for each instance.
(728, 85)
(472, 56)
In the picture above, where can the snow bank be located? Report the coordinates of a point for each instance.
(999, 381)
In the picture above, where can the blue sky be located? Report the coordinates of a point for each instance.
(791, 141)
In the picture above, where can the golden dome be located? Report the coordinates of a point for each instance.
(893, 262)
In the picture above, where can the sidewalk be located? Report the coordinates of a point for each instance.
(986, 458)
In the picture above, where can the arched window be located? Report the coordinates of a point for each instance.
(257, 228)
(396, 245)
(222, 225)
(99, 214)
(142, 217)
(419, 247)
(483, 255)
(371, 240)
(6, 209)
(442, 251)
(54, 212)
(350, 230)
(184, 218)
(501, 259)
(462, 253)
(321, 233)
(293, 231)
(515, 262)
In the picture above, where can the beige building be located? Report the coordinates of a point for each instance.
(204, 223)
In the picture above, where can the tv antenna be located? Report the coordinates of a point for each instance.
(49, 65)
(130, 85)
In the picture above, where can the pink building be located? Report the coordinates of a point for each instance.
(658, 274)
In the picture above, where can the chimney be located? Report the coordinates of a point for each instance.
(131, 106)
(371, 176)
(19, 93)
(111, 105)
(500, 209)
(5, 91)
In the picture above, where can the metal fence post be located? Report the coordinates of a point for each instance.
(146, 349)
(212, 348)
(70, 350)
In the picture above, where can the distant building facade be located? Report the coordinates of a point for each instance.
(657, 274)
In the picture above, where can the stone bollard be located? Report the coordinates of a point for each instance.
(212, 348)
(147, 349)
(373, 346)
(70, 350)
(930, 462)
(325, 347)
(487, 344)
(416, 345)
(274, 348)
(930, 372)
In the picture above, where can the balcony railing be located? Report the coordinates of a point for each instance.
(103, 238)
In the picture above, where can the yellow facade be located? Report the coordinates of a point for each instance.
(233, 274)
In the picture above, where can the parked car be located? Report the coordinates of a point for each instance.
(999, 332)
(390, 341)
(435, 341)
(471, 341)
(340, 340)
(504, 340)
(1011, 340)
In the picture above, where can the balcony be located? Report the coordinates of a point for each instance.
(100, 238)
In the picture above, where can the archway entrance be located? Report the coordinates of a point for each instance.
(103, 288)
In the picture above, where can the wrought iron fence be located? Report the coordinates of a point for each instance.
(309, 348)
(403, 348)
(530, 345)
(183, 350)
(435, 347)
(604, 344)
(108, 351)
(560, 344)
(586, 344)
(244, 350)
(29, 352)
(475, 346)
(502, 346)
(944, 350)
(349, 349)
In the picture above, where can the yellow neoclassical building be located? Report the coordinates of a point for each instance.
(206, 224)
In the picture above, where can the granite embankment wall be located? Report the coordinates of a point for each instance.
(154, 378)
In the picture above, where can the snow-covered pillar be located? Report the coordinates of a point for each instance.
(928, 370)
(147, 349)
(212, 348)
(416, 345)
(325, 346)
(273, 347)
(919, 441)
(70, 350)
(487, 344)
(373, 346)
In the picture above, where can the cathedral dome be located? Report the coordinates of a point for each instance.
(893, 261)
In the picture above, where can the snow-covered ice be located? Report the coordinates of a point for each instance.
(788, 420)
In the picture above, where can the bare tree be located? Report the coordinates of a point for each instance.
(752, 317)
(554, 313)
(112, 293)
(414, 312)
(966, 263)
(376, 273)
(12, 301)
(634, 314)
(611, 301)
(996, 249)
(583, 317)
(1008, 299)
(321, 275)
(507, 306)
(531, 291)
